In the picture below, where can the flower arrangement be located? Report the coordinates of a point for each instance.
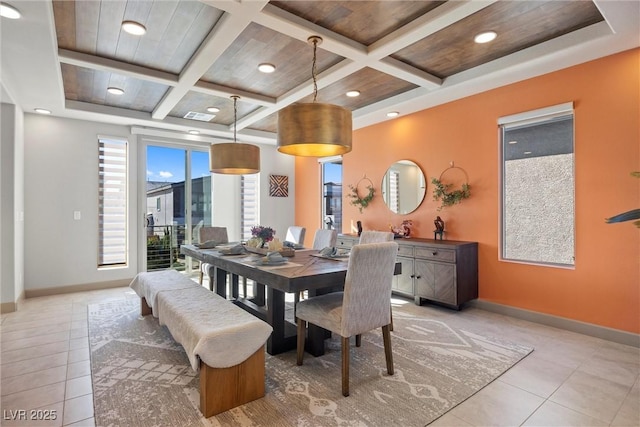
(265, 234)
(356, 200)
(442, 192)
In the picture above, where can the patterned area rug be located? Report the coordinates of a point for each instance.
(141, 377)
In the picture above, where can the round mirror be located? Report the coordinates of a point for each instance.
(403, 187)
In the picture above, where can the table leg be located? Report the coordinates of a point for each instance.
(278, 342)
(258, 297)
(234, 286)
(221, 282)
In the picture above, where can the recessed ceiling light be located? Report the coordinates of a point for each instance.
(267, 68)
(42, 111)
(213, 109)
(512, 142)
(393, 114)
(194, 132)
(353, 93)
(10, 12)
(485, 37)
(115, 91)
(527, 152)
(133, 27)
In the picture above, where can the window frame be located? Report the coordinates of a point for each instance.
(542, 116)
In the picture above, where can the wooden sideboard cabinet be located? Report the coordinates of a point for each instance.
(442, 271)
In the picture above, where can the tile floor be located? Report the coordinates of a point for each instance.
(569, 379)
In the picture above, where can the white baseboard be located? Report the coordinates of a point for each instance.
(32, 293)
(609, 334)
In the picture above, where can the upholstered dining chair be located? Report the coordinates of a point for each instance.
(324, 238)
(295, 234)
(364, 305)
(371, 236)
(216, 234)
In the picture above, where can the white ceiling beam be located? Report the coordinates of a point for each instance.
(217, 41)
(426, 25)
(324, 79)
(99, 63)
(226, 92)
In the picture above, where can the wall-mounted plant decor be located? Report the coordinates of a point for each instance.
(357, 191)
(442, 192)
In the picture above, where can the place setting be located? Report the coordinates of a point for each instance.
(331, 252)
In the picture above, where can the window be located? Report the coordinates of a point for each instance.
(112, 200)
(332, 193)
(158, 204)
(537, 212)
(249, 204)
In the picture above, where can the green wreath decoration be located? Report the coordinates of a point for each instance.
(356, 200)
(442, 192)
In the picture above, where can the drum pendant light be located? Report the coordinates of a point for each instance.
(234, 158)
(314, 129)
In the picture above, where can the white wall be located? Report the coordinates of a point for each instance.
(12, 208)
(275, 212)
(61, 176)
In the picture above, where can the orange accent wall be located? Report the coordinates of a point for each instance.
(603, 289)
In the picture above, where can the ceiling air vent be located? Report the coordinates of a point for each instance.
(192, 115)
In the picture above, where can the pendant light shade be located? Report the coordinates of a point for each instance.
(234, 158)
(314, 129)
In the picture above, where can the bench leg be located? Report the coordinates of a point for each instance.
(222, 389)
(145, 310)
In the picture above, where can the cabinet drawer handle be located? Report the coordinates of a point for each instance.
(434, 253)
(412, 276)
(418, 277)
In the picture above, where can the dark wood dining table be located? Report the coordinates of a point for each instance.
(302, 272)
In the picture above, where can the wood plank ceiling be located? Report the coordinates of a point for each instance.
(195, 54)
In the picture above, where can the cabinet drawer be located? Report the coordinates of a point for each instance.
(344, 242)
(405, 250)
(447, 255)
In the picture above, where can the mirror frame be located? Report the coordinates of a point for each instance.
(420, 184)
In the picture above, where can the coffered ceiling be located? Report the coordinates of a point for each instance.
(401, 56)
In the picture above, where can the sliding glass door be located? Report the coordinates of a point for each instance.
(178, 203)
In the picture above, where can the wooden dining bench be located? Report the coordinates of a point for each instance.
(149, 284)
(223, 341)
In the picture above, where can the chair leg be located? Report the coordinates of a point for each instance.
(300, 345)
(244, 287)
(200, 277)
(386, 337)
(345, 366)
(358, 340)
(391, 324)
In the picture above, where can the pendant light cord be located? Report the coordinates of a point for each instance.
(313, 71)
(235, 116)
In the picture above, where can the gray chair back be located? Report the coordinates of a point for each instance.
(217, 234)
(295, 234)
(370, 236)
(366, 303)
(324, 238)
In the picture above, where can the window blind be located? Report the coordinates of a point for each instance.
(249, 199)
(112, 202)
